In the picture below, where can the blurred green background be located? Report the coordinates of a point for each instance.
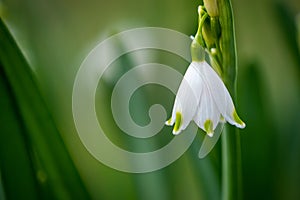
(49, 161)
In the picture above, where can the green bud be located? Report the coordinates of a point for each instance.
(211, 7)
(207, 35)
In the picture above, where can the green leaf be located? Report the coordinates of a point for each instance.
(31, 134)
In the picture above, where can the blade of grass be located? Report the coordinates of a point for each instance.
(53, 166)
(16, 167)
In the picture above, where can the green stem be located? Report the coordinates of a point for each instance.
(231, 150)
(198, 36)
(231, 164)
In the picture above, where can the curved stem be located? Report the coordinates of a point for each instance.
(198, 36)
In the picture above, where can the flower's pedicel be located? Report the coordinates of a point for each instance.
(202, 97)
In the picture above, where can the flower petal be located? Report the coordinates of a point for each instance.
(186, 100)
(221, 96)
(207, 116)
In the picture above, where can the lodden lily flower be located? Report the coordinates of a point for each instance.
(203, 98)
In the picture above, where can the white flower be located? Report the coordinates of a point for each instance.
(202, 97)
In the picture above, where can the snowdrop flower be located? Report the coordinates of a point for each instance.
(202, 97)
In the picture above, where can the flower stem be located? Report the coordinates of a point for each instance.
(231, 150)
(231, 164)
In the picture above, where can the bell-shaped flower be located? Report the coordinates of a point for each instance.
(202, 97)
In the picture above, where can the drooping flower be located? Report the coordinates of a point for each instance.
(202, 97)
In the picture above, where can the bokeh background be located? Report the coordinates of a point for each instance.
(55, 36)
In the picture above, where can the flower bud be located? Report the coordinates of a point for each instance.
(211, 7)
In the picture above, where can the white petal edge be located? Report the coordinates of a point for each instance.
(187, 99)
(221, 96)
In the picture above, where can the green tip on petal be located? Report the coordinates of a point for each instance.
(178, 122)
(240, 123)
(168, 123)
(222, 119)
(208, 127)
